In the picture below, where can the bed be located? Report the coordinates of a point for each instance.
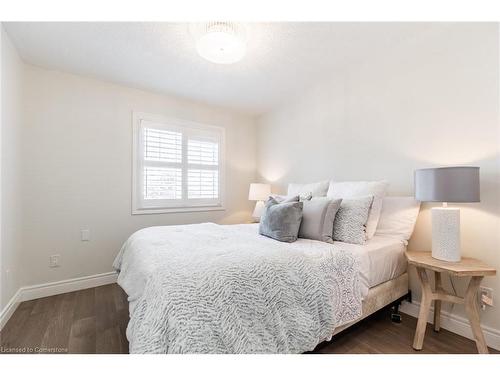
(208, 288)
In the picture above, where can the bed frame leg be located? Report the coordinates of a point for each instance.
(395, 315)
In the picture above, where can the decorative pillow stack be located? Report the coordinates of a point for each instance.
(325, 211)
(317, 214)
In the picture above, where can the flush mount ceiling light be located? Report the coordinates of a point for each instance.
(221, 42)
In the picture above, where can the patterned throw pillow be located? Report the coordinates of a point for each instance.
(359, 189)
(350, 222)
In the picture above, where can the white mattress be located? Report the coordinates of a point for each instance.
(384, 259)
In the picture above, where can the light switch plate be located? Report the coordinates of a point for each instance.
(85, 234)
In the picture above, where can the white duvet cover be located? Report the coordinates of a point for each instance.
(208, 288)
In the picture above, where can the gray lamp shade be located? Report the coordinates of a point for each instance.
(447, 184)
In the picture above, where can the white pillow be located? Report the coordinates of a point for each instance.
(398, 217)
(356, 189)
(317, 189)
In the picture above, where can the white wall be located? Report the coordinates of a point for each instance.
(77, 144)
(433, 101)
(10, 166)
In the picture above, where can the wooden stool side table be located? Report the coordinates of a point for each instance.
(423, 261)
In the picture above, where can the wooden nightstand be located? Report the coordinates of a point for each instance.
(423, 260)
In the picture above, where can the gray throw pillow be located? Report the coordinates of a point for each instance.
(350, 222)
(318, 216)
(281, 221)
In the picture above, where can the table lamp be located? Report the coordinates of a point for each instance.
(259, 193)
(446, 184)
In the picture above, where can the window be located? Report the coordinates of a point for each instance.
(177, 166)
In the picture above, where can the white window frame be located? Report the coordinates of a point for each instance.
(139, 206)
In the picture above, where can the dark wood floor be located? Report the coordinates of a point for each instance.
(88, 321)
(94, 321)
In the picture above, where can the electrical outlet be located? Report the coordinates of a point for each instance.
(485, 297)
(54, 260)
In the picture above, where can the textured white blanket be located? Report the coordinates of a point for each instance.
(208, 288)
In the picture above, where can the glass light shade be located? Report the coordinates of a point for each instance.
(259, 192)
(221, 43)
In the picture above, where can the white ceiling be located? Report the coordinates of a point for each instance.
(281, 60)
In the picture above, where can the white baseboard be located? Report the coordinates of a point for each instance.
(455, 324)
(27, 293)
(65, 286)
(9, 309)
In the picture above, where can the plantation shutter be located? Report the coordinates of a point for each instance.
(203, 168)
(162, 164)
(179, 166)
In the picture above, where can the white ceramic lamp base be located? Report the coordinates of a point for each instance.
(446, 233)
(257, 212)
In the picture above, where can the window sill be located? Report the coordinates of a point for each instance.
(152, 211)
